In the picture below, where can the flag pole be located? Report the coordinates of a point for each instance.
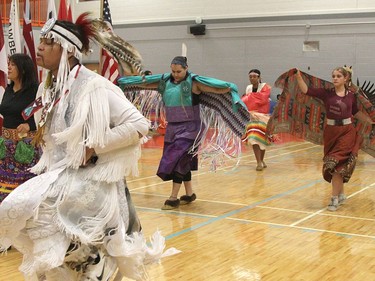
(101, 8)
(100, 50)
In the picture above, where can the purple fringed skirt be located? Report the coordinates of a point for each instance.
(177, 157)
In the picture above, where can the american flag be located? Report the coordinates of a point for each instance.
(109, 63)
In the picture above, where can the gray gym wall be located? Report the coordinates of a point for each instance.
(245, 34)
(229, 49)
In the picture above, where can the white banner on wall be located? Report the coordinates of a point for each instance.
(14, 30)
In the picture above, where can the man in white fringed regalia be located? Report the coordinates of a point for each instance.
(75, 221)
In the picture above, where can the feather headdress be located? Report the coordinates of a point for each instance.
(74, 38)
(129, 58)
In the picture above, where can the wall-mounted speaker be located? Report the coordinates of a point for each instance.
(198, 29)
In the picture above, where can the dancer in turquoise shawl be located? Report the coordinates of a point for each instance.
(191, 103)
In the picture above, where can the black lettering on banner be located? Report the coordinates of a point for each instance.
(11, 42)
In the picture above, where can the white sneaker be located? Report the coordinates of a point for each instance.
(342, 198)
(334, 204)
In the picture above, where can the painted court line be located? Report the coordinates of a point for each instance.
(179, 213)
(322, 214)
(306, 228)
(206, 172)
(213, 219)
(285, 209)
(245, 208)
(201, 200)
(318, 212)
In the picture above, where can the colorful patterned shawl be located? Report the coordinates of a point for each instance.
(304, 116)
(225, 116)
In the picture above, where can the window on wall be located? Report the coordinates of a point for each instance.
(38, 11)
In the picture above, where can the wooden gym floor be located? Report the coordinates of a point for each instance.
(270, 225)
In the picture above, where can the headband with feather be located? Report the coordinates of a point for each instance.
(75, 37)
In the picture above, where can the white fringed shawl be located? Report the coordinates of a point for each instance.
(82, 119)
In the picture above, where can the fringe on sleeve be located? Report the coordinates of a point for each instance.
(89, 126)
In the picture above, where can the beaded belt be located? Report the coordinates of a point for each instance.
(339, 122)
(14, 135)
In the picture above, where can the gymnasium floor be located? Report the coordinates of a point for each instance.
(270, 225)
